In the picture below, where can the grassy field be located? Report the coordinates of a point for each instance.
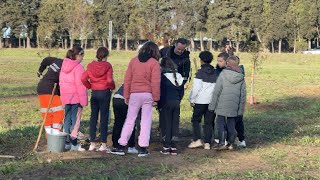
(282, 131)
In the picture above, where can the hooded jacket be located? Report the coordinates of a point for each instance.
(182, 62)
(169, 89)
(71, 88)
(98, 76)
(143, 75)
(46, 84)
(203, 85)
(229, 96)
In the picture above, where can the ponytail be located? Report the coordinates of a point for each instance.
(167, 63)
(72, 53)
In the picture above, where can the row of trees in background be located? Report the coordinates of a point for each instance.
(269, 22)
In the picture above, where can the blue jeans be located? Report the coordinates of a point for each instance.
(71, 111)
(226, 129)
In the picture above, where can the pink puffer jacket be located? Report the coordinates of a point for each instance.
(71, 88)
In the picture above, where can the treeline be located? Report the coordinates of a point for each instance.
(294, 24)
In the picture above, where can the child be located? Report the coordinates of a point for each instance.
(120, 109)
(73, 94)
(101, 82)
(169, 105)
(200, 97)
(44, 90)
(221, 64)
(141, 90)
(228, 101)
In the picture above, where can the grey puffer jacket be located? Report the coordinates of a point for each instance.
(229, 96)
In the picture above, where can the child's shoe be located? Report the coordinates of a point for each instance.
(165, 151)
(242, 144)
(77, 148)
(222, 147)
(174, 151)
(104, 149)
(143, 152)
(207, 146)
(231, 147)
(118, 151)
(92, 147)
(132, 150)
(195, 144)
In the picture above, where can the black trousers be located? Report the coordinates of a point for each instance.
(226, 129)
(200, 110)
(120, 110)
(170, 118)
(100, 102)
(240, 127)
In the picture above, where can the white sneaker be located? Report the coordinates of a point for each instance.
(242, 144)
(92, 148)
(104, 149)
(132, 150)
(77, 148)
(195, 144)
(207, 146)
(67, 146)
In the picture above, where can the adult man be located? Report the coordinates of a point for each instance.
(180, 56)
(228, 49)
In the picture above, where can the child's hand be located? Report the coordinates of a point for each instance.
(192, 104)
(126, 101)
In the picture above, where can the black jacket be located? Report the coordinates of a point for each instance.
(182, 62)
(169, 90)
(46, 84)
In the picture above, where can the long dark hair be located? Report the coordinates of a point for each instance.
(167, 64)
(72, 53)
(150, 48)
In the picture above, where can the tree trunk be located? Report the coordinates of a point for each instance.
(126, 42)
(201, 42)
(272, 46)
(211, 48)
(318, 42)
(295, 45)
(0, 42)
(62, 43)
(38, 40)
(192, 44)
(237, 46)
(19, 42)
(24, 43)
(118, 43)
(65, 43)
(85, 43)
(280, 46)
(309, 43)
(10, 42)
(252, 85)
(28, 42)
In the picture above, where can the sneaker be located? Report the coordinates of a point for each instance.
(92, 148)
(242, 144)
(231, 147)
(165, 151)
(143, 152)
(118, 151)
(77, 148)
(222, 147)
(132, 150)
(67, 146)
(174, 151)
(104, 149)
(215, 145)
(195, 144)
(207, 146)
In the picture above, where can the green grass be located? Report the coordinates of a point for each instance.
(282, 130)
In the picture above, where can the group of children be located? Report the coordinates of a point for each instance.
(147, 84)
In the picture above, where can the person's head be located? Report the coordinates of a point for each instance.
(233, 61)
(151, 49)
(206, 57)
(180, 46)
(76, 53)
(167, 64)
(102, 53)
(222, 59)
